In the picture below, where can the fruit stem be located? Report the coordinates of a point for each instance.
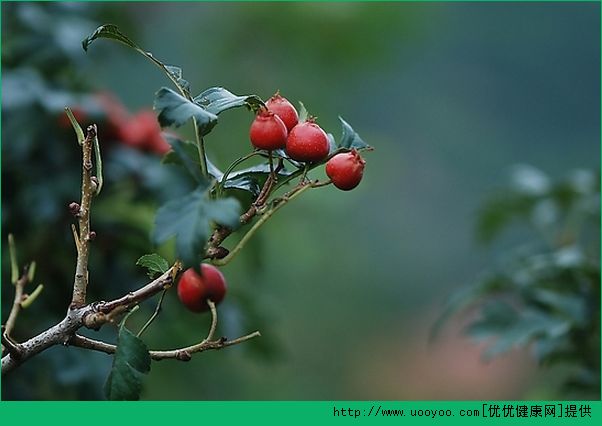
(154, 315)
(277, 204)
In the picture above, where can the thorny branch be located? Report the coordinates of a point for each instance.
(181, 354)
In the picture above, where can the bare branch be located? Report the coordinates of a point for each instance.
(181, 354)
(163, 281)
(55, 335)
(16, 308)
(88, 190)
(93, 315)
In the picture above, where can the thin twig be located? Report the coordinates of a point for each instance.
(80, 282)
(9, 325)
(182, 354)
(154, 315)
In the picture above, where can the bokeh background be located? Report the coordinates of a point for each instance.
(344, 287)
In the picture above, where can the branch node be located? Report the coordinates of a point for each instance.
(12, 347)
(183, 356)
(74, 208)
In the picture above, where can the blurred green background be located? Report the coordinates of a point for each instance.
(344, 287)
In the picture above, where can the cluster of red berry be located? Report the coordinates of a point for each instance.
(275, 127)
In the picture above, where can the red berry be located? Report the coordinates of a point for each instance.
(268, 131)
(283, 109)
(346, 170)
(194, 290)
(307, 142)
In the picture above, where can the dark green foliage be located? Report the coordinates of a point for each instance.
(190, 218)
(175, 110)
(547, 295)
(131, 363)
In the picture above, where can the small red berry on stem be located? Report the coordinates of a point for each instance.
(194, 290)
(267, 131)
(307, 142)
(284, 110)
(346, 170)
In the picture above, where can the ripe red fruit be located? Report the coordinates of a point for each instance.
(307, 142)
(267, 131)
(346, 170)
(283, 109)
(194, 290)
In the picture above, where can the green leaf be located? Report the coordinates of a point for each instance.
(499, 212)
(187, 155)
(252, 178)
(112, 32)
(529, 325)
(154, 264)
(217, 100)
(130, 363)
(332, 145)
(189, 219)
(175, 110)
(303, 114)
(281, 153)
(350, 138)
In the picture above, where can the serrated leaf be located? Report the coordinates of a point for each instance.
(187, 155)
(189, 219)
(154, 264)
(112, 32)
(217, 100)
(131, 363)
(175, 110)
(350, 138)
